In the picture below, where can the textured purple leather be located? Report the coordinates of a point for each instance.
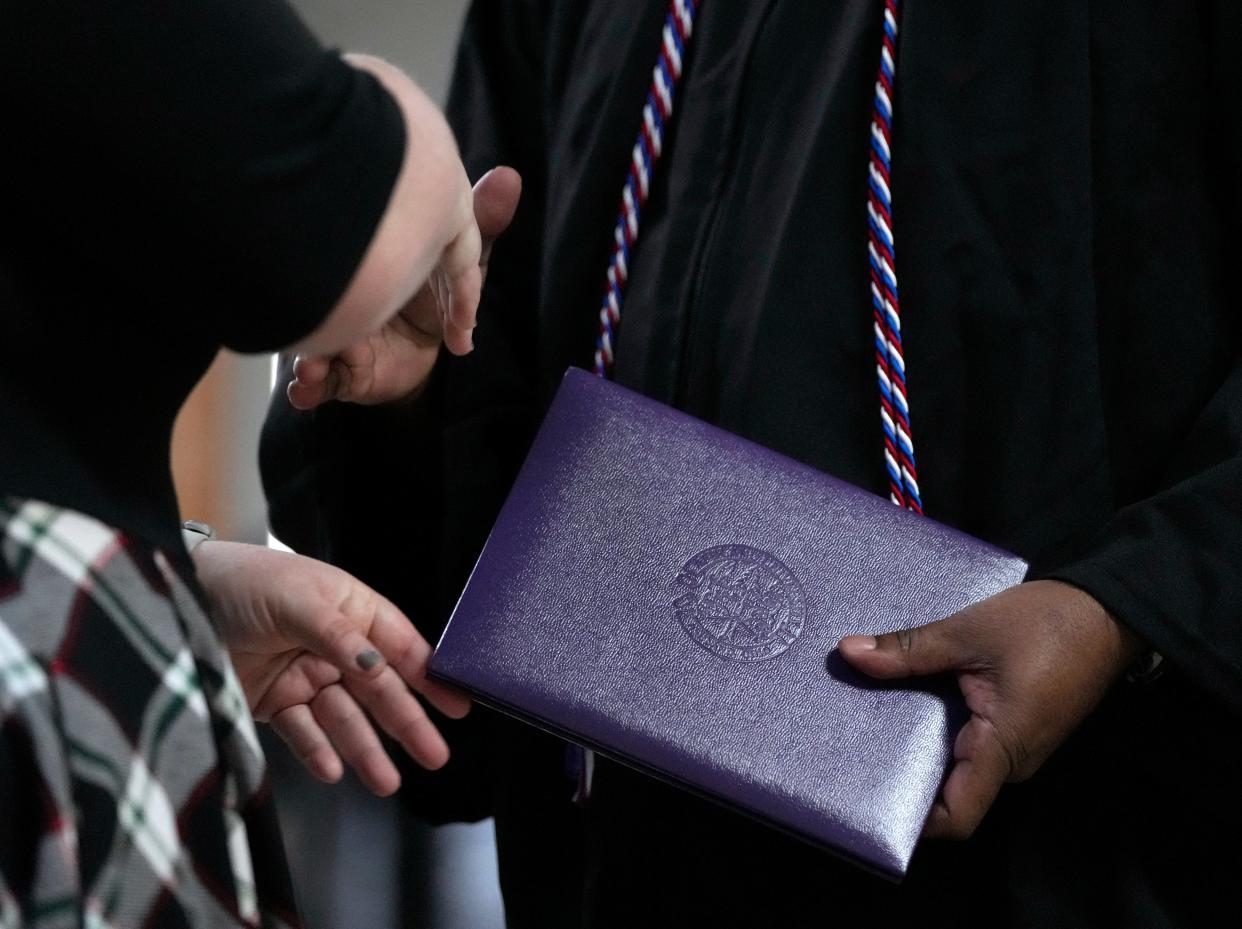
(671, 595)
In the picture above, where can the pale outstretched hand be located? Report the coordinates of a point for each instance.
(1031, 662)
(394, 363)
(316, 651)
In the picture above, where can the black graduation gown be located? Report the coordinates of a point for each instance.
(1066, 185)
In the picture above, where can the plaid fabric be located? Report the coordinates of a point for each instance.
(132, 787)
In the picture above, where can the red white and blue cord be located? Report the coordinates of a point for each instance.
(657, 116)
(903, 479)
(899, 461)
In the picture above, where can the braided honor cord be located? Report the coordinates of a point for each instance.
(657, 116)
(886, 307)
(903, 478)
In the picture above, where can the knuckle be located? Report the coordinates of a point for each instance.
(336, 634)
(310, 747)
(1016, 751)
(409, 655)
(412, 732)
(339, 718)
(304, 741)
(370, 756)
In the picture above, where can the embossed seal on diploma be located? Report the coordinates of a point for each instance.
(740, 602)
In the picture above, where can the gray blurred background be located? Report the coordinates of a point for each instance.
(358, 862)
(418, 35)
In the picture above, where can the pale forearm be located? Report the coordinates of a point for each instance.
(429, 205)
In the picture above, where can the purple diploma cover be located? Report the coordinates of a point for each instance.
(671, 596)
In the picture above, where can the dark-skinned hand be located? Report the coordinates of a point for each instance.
(1031, 662)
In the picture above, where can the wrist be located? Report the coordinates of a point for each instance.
(1135, 659)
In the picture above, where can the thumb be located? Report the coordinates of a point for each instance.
(923, 650)
(315, 381)
(496, 197)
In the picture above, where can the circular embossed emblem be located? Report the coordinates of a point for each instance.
(739, 602)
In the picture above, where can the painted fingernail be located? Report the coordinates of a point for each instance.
(368, 659)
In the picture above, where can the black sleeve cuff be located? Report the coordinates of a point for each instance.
(307, 243)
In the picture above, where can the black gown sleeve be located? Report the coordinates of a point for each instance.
(1170, 566)
(230, 163)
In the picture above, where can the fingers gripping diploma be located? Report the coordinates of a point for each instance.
(1031, 662)
(395, 362)
(324, 658)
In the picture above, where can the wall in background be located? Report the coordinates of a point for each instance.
(418, 35)
(215, 449)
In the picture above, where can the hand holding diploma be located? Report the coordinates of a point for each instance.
(1031, 662)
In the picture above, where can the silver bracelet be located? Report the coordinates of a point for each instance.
(195, 533)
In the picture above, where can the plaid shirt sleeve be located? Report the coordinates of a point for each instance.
(132, 788)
